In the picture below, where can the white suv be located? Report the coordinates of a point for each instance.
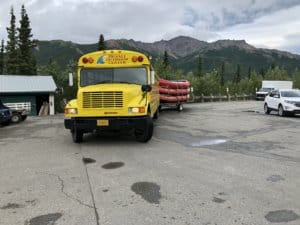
(285, 101)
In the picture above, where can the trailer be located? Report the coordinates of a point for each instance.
(173, 93)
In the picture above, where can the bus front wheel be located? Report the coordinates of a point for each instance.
(144, 134)
(77, 135)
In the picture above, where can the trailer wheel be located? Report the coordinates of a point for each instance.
(144, 134)
(179, 107)
(156, 114)
(16, 118)
(77, 135)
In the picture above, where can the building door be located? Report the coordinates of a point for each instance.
(40, 99)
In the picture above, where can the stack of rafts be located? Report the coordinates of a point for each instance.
(174, 91)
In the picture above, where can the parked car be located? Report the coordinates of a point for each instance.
(18, 111)
(5, 114)
(285, 101)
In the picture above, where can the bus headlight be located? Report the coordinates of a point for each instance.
(136, 109)
(70, 110)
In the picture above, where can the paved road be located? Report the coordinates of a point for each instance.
(213, 163)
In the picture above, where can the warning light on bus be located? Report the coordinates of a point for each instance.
(137, 58)
(140, 58)
(134, 58)
(87, 60)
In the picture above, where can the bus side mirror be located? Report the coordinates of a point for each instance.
(146, 88)
(70, 79)
(152, 77)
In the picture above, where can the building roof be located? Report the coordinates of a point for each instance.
(26, 84)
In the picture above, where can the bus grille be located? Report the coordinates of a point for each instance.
(103, 99)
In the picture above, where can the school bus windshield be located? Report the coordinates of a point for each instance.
(92, 76)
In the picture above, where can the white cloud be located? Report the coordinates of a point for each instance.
(271, 23)
(276, 30)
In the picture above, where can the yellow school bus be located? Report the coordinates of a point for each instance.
(117, 90)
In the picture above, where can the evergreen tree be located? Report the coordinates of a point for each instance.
(27, 62)
(249, 72)
(2, 57)
(262, 73)
(238, 74)
(222, 75)
(296, 78)
(200, 66)
(277, 74)
(166, 62)
(273, 65)
(11, 47)
(101, 43)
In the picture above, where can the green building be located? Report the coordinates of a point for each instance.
(32, 91)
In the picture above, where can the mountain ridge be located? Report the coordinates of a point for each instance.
(182, 50)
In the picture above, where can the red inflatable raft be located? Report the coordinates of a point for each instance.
(173, 99)
(177, 84)
(172, 91)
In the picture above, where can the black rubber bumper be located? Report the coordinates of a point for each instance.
(90, 124)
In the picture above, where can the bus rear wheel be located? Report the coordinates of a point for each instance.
(144, 133)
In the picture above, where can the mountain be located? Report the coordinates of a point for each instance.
(183, 52)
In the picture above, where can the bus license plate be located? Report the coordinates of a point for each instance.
(102, 123)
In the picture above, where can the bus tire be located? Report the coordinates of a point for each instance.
(145, 134)
(77, 135)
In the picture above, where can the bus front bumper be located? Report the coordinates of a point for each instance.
(90, 124)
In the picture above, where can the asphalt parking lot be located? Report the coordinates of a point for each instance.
(212, 164)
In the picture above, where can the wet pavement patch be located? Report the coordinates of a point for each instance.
(207, 142)
(281, 216)
(218, 200)
(112, 165)
(148, 191)
(12, 206)
(275, 178)
(88, 160)
(187, 139)
(48, 219)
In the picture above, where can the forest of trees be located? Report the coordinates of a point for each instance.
(214, 82)
(17, 57)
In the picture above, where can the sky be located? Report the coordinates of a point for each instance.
(271, 24)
